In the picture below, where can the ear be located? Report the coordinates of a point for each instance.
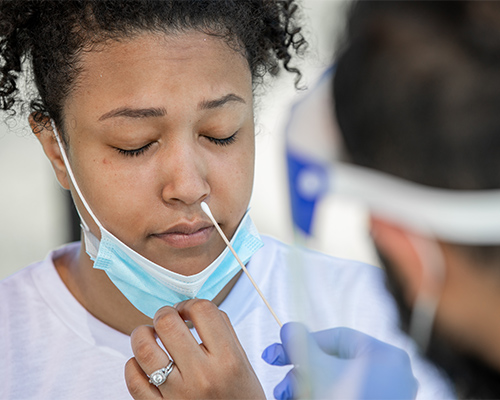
(42, 128)
(395, 243)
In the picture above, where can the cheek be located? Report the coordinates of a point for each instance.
(243, 171)
(234, 180)
(117, 195)
(242, 184)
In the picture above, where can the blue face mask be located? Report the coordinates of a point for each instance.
(149, 286)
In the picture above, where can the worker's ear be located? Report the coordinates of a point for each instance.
(397, 246)
(42, 128)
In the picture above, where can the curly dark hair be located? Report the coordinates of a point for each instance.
(52, 34)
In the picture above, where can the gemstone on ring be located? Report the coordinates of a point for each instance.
(159, 376)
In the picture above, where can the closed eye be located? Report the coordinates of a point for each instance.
(225, 141)
(134, 152)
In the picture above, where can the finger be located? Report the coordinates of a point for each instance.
(176, 337)
(299, 345)
(275, 355)
(148, 353)
(209, 323)
(138, 383)
(344, 342)
(288, 388)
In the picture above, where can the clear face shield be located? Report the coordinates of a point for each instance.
(318, 166)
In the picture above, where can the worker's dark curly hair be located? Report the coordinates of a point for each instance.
(52, 34)
(426, 110)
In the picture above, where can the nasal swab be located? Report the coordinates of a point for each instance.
(206, 209)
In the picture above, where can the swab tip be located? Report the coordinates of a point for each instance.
(206, 209)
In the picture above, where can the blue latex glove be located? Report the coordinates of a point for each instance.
(340, 363)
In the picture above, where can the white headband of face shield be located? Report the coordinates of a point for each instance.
(471, 217)
(315, 145)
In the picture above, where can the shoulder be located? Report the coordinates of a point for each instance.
(342, 292)
(23, 287)
(18, 281)
(328, 274)
(283, 255)
(47, 261)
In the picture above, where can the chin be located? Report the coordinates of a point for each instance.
(472, 376)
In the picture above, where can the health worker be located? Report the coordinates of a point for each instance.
(415, 93)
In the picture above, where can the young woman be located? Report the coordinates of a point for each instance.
(145, 110)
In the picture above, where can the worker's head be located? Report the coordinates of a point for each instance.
(417, 96)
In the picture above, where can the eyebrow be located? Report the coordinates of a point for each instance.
(210, 104)
(134, 113)
(160, 112)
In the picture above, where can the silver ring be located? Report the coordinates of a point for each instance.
(160, 375)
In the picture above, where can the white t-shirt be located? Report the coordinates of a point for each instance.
(52, 348)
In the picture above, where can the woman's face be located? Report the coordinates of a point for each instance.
(156, 125)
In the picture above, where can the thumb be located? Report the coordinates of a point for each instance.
(344, 342)
(288, 388)
(299, 345)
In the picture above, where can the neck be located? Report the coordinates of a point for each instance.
(469, 308)
(487, 322)
(100, 297)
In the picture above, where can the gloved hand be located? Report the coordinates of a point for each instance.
(340, 363)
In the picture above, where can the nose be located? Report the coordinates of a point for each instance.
(184, 171)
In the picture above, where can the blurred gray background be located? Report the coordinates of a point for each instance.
(34, 212)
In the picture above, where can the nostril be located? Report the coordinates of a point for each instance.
(188, 192)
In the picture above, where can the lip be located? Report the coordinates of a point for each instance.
(185, 235)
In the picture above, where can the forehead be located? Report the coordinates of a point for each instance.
(158, 70)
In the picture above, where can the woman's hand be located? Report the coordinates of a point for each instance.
(217, 368)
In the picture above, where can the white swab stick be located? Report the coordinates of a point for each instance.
(206, 209)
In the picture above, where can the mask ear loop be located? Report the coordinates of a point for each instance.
(424, 310)
(73, 180)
